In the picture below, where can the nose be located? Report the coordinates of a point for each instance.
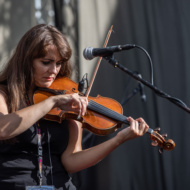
(53, 68)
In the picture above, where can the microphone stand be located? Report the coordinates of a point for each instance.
(133, 93)
(175, 101)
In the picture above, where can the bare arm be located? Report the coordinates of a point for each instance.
(75, 159)
(13, 124)
(17, 122)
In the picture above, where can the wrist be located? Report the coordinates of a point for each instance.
(118, 139)
(121, 138)
(54, 101)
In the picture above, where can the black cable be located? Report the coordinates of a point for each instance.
(163, 95)
(151, 65)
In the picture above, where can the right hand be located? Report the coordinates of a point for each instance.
(72, 102)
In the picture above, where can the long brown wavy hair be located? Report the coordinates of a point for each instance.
(18, 73)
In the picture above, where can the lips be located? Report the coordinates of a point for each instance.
(49, 78)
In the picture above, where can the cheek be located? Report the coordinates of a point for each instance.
(58, 69)
(39, 70)
(36, 73)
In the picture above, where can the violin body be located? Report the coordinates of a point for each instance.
(93, 121)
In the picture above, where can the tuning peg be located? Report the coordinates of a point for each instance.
(160, 150)
(157, 129)
(153, 143)
(165, 135)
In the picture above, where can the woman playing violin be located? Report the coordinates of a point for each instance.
(36, 152)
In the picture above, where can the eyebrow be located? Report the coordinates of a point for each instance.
(47, 59)
(52, 59)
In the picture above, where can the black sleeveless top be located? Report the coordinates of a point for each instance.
(19, 161)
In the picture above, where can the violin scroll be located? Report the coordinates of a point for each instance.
(159, 140)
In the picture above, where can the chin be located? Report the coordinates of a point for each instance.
(44, 85)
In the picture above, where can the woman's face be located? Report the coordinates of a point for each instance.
(47, 68)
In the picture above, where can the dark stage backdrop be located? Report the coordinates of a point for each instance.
(163, 29)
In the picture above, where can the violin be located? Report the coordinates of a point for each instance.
(103, 115)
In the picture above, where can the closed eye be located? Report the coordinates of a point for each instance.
(46, 62)
(60, 63)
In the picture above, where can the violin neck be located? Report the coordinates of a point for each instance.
(110, 113)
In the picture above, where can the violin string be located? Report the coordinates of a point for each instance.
(103, 110)
(106, 111)
(94, 106)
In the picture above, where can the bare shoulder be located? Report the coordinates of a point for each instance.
(3, 100)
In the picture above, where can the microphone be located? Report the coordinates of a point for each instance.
(89, 52)
(81, 85)
(141, 90)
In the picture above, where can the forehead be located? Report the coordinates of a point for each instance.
(52, 53)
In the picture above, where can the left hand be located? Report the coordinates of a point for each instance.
(137, 128)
